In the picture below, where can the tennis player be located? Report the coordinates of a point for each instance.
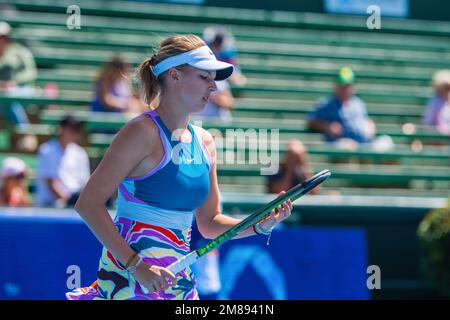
(164, 169)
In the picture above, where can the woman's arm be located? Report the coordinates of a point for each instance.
(127, 150)
(210, 221)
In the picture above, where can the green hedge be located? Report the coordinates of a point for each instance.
(434, 237)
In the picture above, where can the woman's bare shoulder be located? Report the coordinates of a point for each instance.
(142, 125)
(139, 131)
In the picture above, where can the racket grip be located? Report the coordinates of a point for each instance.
(179, 265)
(184, 262)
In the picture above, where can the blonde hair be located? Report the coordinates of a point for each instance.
(172, 46)
(440, 79)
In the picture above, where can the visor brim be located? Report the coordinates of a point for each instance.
(223, 70)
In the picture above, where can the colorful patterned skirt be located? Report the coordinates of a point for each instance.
(158, 246)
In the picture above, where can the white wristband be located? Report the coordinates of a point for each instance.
(260, 230)
(132, 269)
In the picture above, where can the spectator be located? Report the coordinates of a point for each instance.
(343, 118)
(113, 91)
(294, 169)
(222, 101)
(437, 114)
(17, 70)
(219, 104)
(221, 42)
(63, 166)
(14, 192)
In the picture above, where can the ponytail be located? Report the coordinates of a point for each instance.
(150, 87)
(149, 83)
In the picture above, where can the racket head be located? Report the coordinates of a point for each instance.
(297, 191)
(309, 184)
(292, 194)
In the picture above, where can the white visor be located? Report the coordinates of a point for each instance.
(201, 58)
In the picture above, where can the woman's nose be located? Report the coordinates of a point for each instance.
(213, 85)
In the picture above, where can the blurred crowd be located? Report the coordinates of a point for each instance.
(63, 164)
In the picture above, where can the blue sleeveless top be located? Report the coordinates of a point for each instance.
(168, 194)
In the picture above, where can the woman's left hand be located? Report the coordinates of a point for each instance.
(277, 215)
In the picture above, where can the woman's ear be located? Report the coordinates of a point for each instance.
(173, 74)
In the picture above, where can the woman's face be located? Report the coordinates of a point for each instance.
(195, 87)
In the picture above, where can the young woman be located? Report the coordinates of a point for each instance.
(113, 92)
(165, 171)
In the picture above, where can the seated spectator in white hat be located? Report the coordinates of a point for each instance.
(437, 114)
(14, 190)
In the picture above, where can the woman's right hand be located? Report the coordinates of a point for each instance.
(154, 278)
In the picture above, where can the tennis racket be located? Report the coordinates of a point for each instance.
(292, 194)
